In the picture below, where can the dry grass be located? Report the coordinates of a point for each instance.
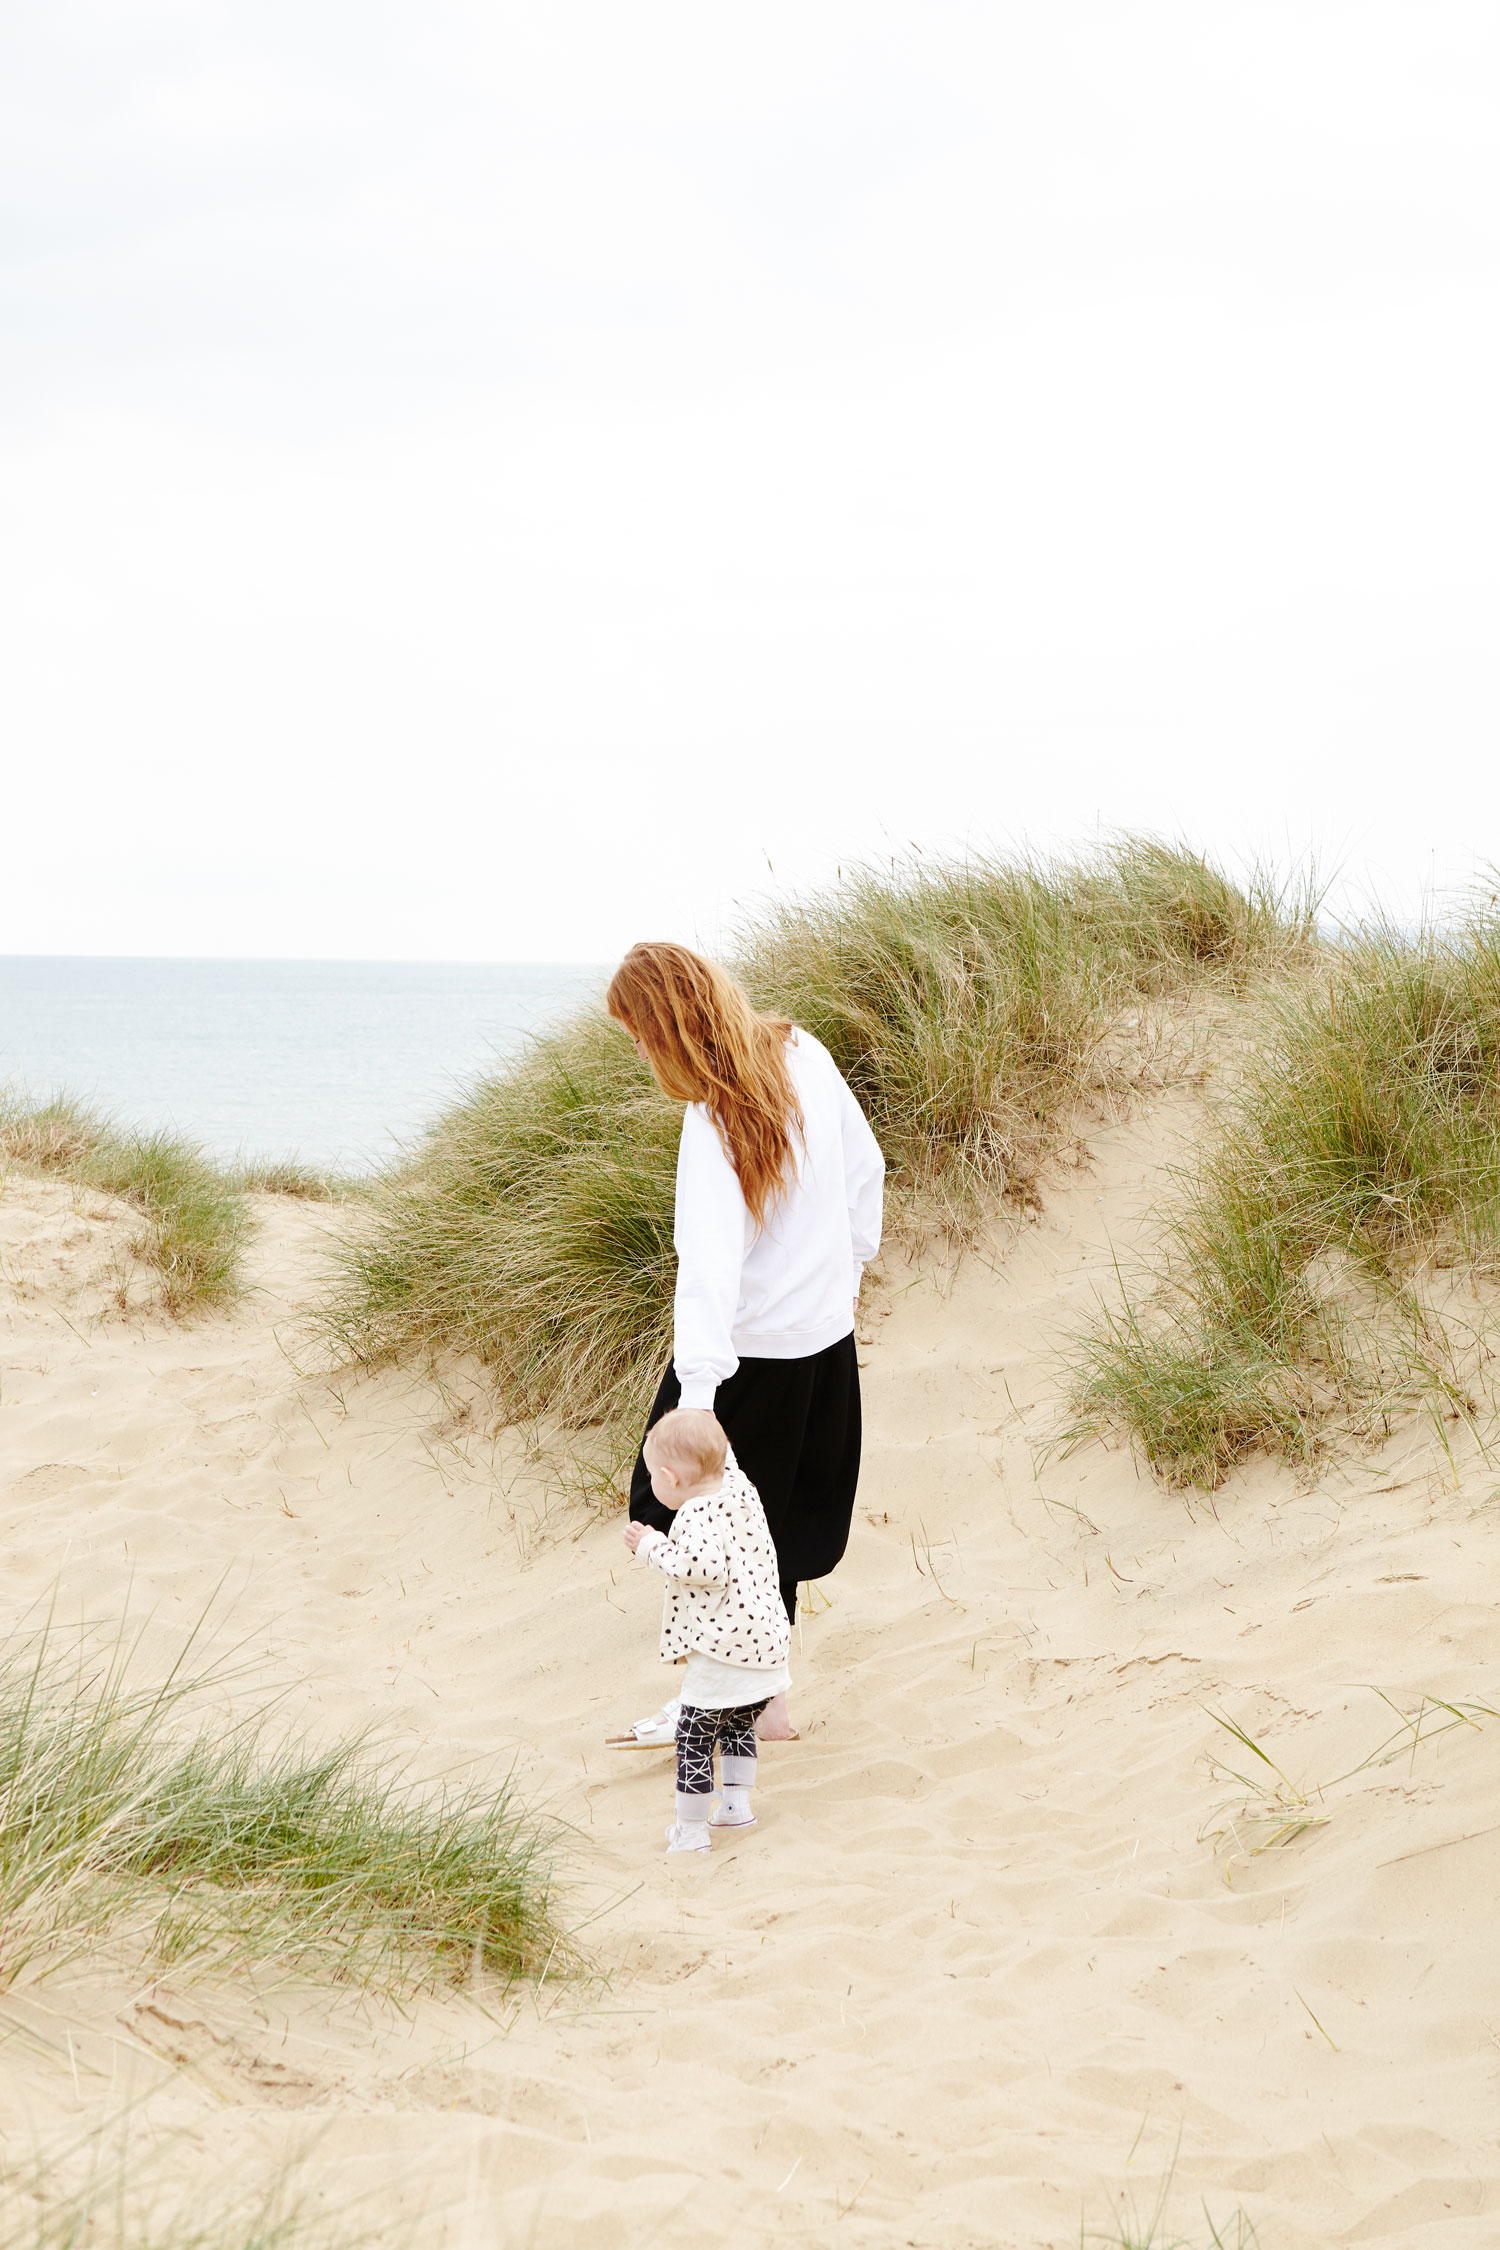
(143, 1813)
(193, 1209)
(93, 2199)
(1360, 1155)
(1270, 1810)
(534, 1229)
(1137, 2226)
(287, 1175)
(194, 1217)
(969, 1006)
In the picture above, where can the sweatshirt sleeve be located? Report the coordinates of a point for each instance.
(864, 1181)
(709, 1234)
(694, 1557)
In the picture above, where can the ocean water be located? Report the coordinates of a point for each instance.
(337, 1062)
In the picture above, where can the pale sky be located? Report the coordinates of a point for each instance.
(493, 481)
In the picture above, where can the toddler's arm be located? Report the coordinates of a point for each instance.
(697, 1559)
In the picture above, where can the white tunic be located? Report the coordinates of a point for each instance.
(723, 1595)
(712, 1686)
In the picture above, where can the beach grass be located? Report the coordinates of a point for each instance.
(193, 1208)
(109, 2201)
(1359, 1155)
(1135, 2230)
(969, 1005)
(533, 1229)
(143, 1812)
(1138, 2226)
(193, 1214)
(289, 1176)
(1270, 1810)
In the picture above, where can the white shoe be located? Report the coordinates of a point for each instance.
(681, 1839)
(656, 1733)
(722, 1819)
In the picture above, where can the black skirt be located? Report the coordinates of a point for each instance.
(795, 1428)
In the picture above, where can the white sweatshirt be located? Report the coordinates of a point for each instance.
(786, 1290)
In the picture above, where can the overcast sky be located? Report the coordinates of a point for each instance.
(497, 480)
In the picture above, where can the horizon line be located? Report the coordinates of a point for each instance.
(343, 960)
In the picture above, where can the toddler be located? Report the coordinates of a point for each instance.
(722, 1616)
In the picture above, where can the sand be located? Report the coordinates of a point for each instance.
(978, 1973)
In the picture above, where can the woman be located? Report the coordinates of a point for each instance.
(779, 1185)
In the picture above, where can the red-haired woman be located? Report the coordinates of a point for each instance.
(779, 1187)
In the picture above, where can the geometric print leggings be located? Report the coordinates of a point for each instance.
(700, 1730)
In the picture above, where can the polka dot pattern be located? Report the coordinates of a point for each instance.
(723, 1590)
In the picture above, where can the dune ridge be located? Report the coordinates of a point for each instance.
(979, 1973)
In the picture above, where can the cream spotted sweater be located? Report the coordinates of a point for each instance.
(723, 1593)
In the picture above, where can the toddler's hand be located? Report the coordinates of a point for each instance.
(634, 1534)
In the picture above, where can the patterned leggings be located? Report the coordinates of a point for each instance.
(699, 1731)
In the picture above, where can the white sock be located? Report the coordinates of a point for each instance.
(736, 1796)
(693, 1812)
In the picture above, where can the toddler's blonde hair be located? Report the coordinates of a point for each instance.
(689, 1440)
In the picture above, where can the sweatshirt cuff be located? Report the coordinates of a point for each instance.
(701, 1392)
(649, 1538)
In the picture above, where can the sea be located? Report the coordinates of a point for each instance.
(340, 1063)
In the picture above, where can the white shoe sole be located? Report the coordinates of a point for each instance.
(643, 1738)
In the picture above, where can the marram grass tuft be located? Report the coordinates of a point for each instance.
(289, 1176)
(125, 2182)
(141, 1813)
(969, 1006)
(1360, 1152)
(194, 1217)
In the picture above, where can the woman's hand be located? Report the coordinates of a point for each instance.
(634, 1534)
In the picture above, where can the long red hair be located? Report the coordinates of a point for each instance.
(706, 1043)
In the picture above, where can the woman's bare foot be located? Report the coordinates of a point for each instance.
(773, 1725)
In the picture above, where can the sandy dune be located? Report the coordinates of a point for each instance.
(975, 1976)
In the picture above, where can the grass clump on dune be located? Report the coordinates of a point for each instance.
(224, 1843)
(118, 2205)
(1361, 1151)
(1138, 2227)
(969, 1006)
(194, 1216)
(1137, 2230)
(534, 1228)
(289, 1176)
